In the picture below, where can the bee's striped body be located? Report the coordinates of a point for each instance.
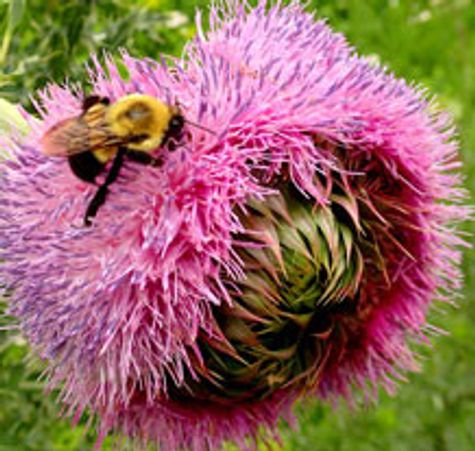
(131, 127)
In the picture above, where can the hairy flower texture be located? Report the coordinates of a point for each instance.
(295, 250)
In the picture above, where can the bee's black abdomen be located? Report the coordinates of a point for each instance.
(90, 101)
(85, 166)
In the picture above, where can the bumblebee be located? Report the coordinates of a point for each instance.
(130, 128)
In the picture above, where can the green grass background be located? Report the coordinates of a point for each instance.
(429, 41)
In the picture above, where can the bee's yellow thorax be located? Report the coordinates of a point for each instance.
(139, 115)
(106, 154)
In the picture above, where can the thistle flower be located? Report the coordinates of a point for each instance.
(295, 250)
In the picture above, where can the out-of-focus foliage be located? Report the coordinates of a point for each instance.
(52, 40)
(429, 41)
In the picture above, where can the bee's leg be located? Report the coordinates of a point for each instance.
(101, 194)
(174, 132)
(143, 158)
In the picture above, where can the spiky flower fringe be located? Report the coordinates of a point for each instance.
(294, 251)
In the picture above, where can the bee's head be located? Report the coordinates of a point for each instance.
(175, 127)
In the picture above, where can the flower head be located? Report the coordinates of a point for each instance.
(296, 249)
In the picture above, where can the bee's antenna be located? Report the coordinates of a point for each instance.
(194, 124)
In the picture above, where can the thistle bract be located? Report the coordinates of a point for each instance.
(293, 251)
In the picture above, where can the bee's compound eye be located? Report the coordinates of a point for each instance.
(176, 123)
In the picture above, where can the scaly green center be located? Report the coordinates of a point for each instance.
(302, 266)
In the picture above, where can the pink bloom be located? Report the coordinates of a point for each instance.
(120, 310)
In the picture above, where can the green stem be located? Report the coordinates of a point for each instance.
(7, 38)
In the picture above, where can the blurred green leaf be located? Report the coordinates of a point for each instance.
(11, 117)
(15, 12)
(14, 15)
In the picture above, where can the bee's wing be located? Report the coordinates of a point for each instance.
(72, 136)
(62, 138)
